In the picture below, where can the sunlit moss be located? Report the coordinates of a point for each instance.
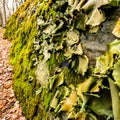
(51, 76)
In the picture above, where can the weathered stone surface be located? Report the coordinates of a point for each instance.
(95, 44)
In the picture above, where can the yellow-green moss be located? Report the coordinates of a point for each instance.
(61, 55)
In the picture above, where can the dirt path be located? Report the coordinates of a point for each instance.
(9, 106)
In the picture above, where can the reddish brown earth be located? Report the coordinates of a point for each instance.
(9, 106)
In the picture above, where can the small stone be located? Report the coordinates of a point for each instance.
(9, 69)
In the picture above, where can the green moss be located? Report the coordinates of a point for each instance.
(10, 32)
(26, 96)
(22, 32)
(49, 32)
(52, 62)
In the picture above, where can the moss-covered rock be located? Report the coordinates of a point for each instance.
(55, 75)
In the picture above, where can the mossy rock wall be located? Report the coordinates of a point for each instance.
(56, 74)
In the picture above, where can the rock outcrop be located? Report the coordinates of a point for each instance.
(54, 48)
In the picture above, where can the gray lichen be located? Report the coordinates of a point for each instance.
(54, 50)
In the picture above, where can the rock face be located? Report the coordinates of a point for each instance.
(96, 44)
(54, 49)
